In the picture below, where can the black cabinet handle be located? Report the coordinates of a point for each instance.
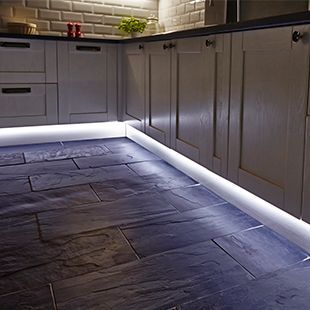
(15, 44)
(86, 48)
(165, 46)
(141, 46)
(296, 36)
(209, 43)
(172, 45)
(16, 90)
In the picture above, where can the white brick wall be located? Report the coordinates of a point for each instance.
(99, 18)
(181, 14)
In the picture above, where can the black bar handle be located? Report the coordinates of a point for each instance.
(16, 90)
(86, 48)
(15, 44)
(141, 46)
(165, 46)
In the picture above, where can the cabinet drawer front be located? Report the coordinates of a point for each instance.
(22, 100)
(19, 55)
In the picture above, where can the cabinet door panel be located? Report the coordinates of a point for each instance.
(188, 96)
(306, 191)
(158, 81)
(268, 105)
(133, 83)
(87, 81)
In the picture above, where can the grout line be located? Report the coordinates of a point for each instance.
(127, 241)
(53, 295)
(73, 159)
(95, 193)
(248, 271)
(39, 227)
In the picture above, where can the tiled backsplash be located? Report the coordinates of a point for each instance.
(98, 17)
(181, 14)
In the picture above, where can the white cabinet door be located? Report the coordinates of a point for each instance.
(306, 185)
(87, 79)
(28, 104)
(158, 91)
(269, 84)
(134, 85)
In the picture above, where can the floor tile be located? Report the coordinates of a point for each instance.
(29, 203)
(261, 250)
(11, 159)
(101, 215)
(284, 290)
(38, 168)
(192, 197)
(159, 235)
(36, 299)
(122, 145)
(30, 147)
(154, 283)
(64, 153)
(61, 258)
(114, 159)
(14, 185)
(78, 177)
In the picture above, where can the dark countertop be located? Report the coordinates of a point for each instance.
(269, 22)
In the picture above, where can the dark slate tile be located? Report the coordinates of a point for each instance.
(114, 159)
(11, 159)
(112, 190)
(284, 290)
(261, 250)
(34, 202)
(170, 232)
(38, 168)
(30, 147)
(161, 174)
(64, 153)
(87, 142)
(14, 185)
(61, 258)
(36, 299)
(192, 197)
(154, 283)
(122, 145)
(77, 177)
(101, 215)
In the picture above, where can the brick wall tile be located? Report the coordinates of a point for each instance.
(25, 12)
(6, 10)
(200, 5)
(44, 4)
(181, 9)
(122, 11)
(103, 9)
(194, 17)
(58, 26)
(49, 15)
(42, 25)
(103, 29)
(112, 20)
(93, 18)
(50, 33)
(61, 5)
(190, 7)
(141, 13)
(71, 16)
(82, 7)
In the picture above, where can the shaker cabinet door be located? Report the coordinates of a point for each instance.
(87, 79)
(158, 91)
(269, 87)
(134, 85)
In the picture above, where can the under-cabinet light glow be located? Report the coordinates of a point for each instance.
(292, 228)
(52, 133)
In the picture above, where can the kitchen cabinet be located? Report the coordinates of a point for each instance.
(87, 82)
(306, 185)
(133, 78)
(269, 89)
(200, 100)
(158, 91)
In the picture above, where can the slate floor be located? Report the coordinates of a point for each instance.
(105, 224)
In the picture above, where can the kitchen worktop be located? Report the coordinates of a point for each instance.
(269, 22)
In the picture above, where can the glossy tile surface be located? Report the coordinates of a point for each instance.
(284, 290)
(261, 250)
(154, 283)
(190, 227)
(105, 224)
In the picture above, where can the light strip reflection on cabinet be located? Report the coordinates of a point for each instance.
(290, 227)
(54, 133)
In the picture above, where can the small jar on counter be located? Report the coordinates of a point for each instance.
(152, 25)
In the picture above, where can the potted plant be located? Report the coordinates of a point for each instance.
(132, 25)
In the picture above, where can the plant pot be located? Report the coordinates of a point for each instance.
(135, 34)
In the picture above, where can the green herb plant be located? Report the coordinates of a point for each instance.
(132, 24)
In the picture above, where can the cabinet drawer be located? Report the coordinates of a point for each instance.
(27, 104)
(19, 55)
